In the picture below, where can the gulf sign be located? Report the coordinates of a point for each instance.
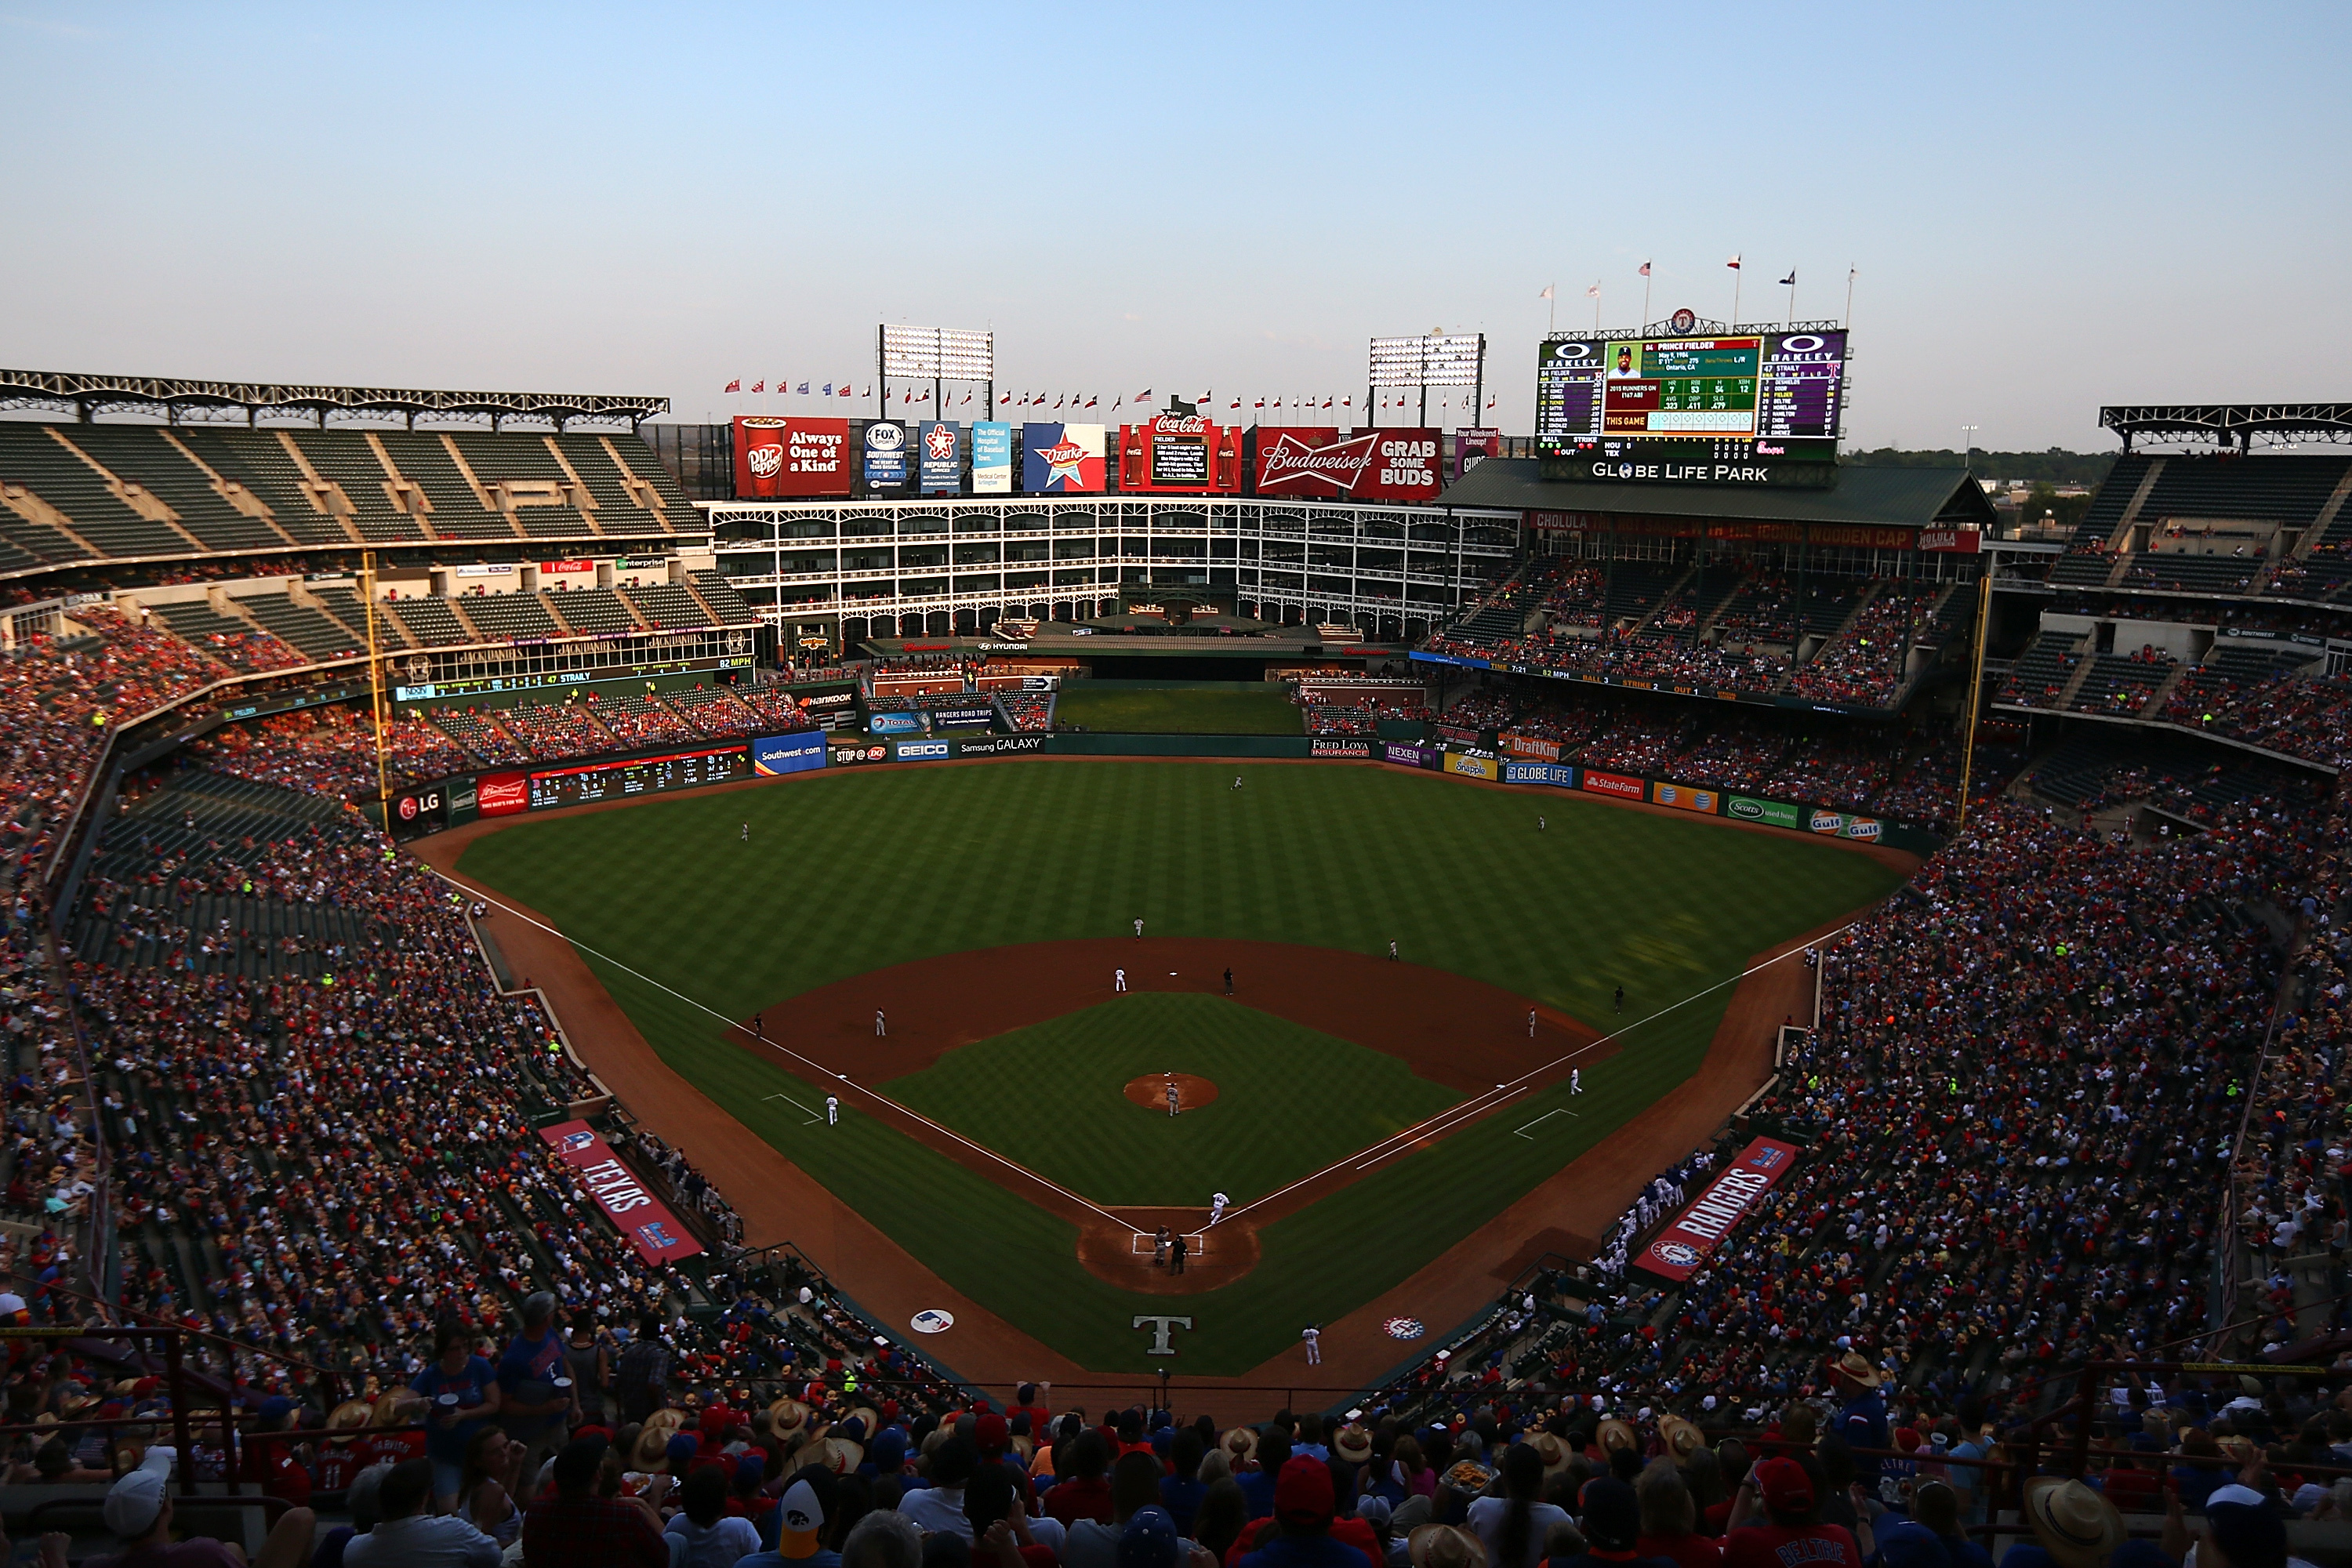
(1061, 460)
(1617, 784)
(790, 457)
(1691, 1238)
(773, 756)
(1367, 465)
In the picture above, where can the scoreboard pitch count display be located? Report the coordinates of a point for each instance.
(1722, 397)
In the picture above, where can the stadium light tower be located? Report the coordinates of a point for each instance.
(1434, 359)
(939, 356)
(1968, 442)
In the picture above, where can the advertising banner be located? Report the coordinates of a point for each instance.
(1684, 1246)
(775, 756)
(978, 716)
(885, 454)
(1534, 748)
(1326, 746)
(790, 457)
(417, 810)
(1771, 812)
(651, 1228)
(1181, 454)
(503, 795)
(1419, 655)
(921, 751)
(939, 451)
(1559, 774)
(460, 800)
(893, 724)
(1370, 464)
(851, 755)
(1472, 767)
(1616, 785)
(1406, 756)
(1001, 746)
(991, 458)
(1061, 460)
(1840, 824)
(1682, 797)
(1475, 446)
(1951, 540)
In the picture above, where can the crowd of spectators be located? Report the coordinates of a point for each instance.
(639, 720)
(1864, 664)
(2303, 716)
(480, 733)
(719, 712)
(557, 731)
(331, 750)
(1028, 709)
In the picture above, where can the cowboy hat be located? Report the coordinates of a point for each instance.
(2075, 1524)
(787, 1414)
(1855, 1368)
(1615, 1435)
(1241, 1443)
(838, 1455)
(350, 1414)
(1352, 1443)
(865, 1413)
(1682, 1439)
(1554, 1453)
(386, 1408)
(1443, 1546)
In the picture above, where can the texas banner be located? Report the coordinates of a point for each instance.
(651, 1228)
(1691, 1236)
(1370, 464)
(1058, 460)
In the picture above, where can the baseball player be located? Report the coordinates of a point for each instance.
(747, 832)
(1172, 1094)
(1118, 979)
(1229, 981)
(1576, 1080)
(1217, 1202)
(880, 1028)
(1314, 1338)
(1621, 998)
(833, 1111)
(1392, 950)
(1237, 781)
(1138, 928)
(1160, 1248)
(1540, 823)
(1531, 1023)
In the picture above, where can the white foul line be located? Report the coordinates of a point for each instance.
(785, 1051)
(1546, 1116)
(797, 1105)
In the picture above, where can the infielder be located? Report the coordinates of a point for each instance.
(1576, 1080)
(1138, 928)
(1171, 1095)
(1392, 950)
(833, 1111)
(1118, 979)
(1531, 1023)
(1217, 1202)
(1314, 1338)
(880, 1028)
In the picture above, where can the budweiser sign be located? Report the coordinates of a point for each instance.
(1370, 464)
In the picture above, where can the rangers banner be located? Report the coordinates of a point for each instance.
(1371, 465)
(1681, 1248)
(791, 457)
(1180, 453)
(651, 1228)
(1061, 460)
(940, 455)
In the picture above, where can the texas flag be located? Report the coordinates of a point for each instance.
(1733, 264)
(845, 390)
(736, 384)
(761, 387)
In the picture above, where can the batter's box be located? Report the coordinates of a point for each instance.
(1144, 1244)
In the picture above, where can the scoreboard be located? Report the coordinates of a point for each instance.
(638, 776)
(1762, 397)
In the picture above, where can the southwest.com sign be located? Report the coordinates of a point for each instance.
(774, 755)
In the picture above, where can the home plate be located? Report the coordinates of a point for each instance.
(1141, 1244)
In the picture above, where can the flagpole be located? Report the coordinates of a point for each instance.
(1848, 322)
(1551, 306)
(1596, 308)
(1738, 276)
(1792, 297)
(1645, 294)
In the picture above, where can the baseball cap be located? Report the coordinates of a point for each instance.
(133, 1501)
(1150, 1540)
(800, 1516)
(1784, 1486)
(1911, 1545)
(1613, 1514)
(1302, 1493)
(990, 1433)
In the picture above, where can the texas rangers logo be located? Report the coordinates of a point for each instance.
(1404, 1327)
(1766, 1158)
(1678, 1254)
(1064, 461)
(656, 1235)
(575, 1141)
(940, 443)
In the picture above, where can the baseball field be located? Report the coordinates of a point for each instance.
(1362, 1112)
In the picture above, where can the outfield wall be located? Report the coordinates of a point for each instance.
(508, 792)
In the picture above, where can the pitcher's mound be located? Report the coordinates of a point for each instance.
(1151, 1091)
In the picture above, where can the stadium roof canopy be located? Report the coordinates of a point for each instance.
(2229, 424)
(1903, 498)
(86, 396)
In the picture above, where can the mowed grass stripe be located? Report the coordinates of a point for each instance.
(848, 872)
(1290, 1100)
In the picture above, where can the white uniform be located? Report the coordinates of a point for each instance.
(1314, 1338)
(833, 1111)
(1172, 1097)
(879, 1028)
(1217, 1202)
(1138, 928)
(1531, 1023)
(1576, 1080)
(1118, 979)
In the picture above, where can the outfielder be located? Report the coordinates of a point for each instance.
(1576, 1080)
(833, 1111)
(1217, 1202)
(1314, 1338)
(880, 1028)
(1118, 979)
(1138, 928)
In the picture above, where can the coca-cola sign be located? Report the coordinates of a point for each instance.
(1369, 464)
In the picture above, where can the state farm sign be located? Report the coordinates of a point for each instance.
(1371, 465)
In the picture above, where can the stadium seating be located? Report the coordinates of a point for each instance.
(514, 616)
(320, 635)
(590, 610)
(430, 623)
(481, 735)
(718, 711)
(667, 606)
(637, 721)
(557, 732)
(2040, 676)
(720, 596)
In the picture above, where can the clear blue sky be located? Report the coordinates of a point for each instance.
(2050, 205)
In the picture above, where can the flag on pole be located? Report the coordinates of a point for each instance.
(1733, 264)
(1490, 400)
(1261, 402)
(1348, 401)
(826, 393)
(869, 390)
(780, 386)
(762, 387)
(1790, 280)
(845, 390)
(1144, 396)
(1237, 403)
(1546, 292)
(736, 384)
(1091, 400)
(1327, 400)
(1593, 293)
(1645, 270)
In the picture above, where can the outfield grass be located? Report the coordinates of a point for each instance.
(1204, 708)
(1290, 1099)
(850, 871)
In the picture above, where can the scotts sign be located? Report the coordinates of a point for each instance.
(1371, 465)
